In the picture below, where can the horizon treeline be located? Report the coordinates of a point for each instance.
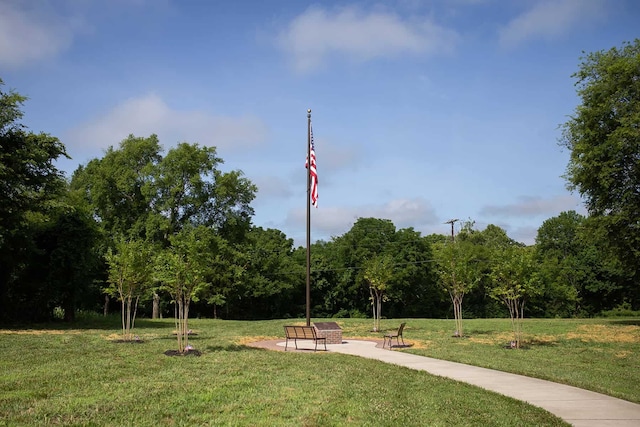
(145, 228)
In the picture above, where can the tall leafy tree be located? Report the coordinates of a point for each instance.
(137, 192)
(58, 268)
(367, 238)
(413, 291)
(328, 299)
(69, 243)
(115, 186)
(410, 290)
(29, 183)
(603, 137)
(559, 250)
(582, 275)
(268, 275)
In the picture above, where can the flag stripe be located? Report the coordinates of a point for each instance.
(313, 172)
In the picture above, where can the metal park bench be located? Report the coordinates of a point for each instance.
(397, 335)
(296, 333)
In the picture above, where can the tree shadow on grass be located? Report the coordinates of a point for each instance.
(91, 322)
(539, 343)
(191, 352)
(232, 347)
(629, 322)
(173, 337)
(472, 332)
(131, 341)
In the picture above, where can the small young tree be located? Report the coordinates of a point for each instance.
(458, 272)
(378, 271)
(515, 278)
(129, 271)
(183, 271)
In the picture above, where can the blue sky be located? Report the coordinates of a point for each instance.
(422, 111)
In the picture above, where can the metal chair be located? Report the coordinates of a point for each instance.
(397, 336)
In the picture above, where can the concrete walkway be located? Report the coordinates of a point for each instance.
(578, 407)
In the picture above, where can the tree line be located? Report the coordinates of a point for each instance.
(152, 232)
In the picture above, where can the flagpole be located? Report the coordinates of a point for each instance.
(309, 218)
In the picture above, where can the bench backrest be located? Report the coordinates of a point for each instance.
(303, 332)
(401, 328)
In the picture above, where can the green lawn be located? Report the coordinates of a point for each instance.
(78, 375)
(602, 355)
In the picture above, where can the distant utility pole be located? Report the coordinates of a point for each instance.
(452, 221)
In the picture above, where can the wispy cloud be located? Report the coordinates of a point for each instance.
(33, 31)
(335, 221)
(534, 206)
(317, 34)
(549, 19)
(150, 114)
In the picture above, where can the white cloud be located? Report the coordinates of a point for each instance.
(150, 114)
(534, 206)
(32, 31)
(316, 34)
(549, 19)
(335, 221)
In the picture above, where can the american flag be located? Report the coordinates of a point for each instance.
(314, 172)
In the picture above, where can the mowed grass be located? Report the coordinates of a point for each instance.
(602, 355)
(80, 376)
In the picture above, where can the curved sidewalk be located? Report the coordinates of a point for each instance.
(581, 408)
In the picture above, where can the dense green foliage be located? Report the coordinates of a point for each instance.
(37, 269)
(603, 137)
(58, 239)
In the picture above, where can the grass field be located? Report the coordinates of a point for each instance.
(78, 375)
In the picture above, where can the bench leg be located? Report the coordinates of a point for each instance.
(286, 343)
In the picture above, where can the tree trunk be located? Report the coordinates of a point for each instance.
(124, 323)
(128, 334)
(155, 312)
(373, 308)
(135, 311)
(379, 311)
(457, 312)
(105, 308)
(5, 277)
(69, 312)
(186, 322)
(179, 325)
